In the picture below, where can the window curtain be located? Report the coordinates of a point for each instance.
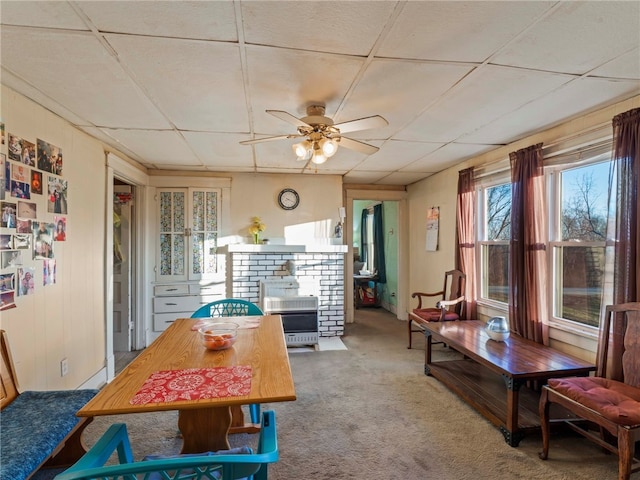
(626, 162)
(364, 241)
(465, 239)
(527, 252)
(378, 243)
(622, 271)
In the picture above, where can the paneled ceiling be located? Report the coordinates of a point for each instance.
(178, 84)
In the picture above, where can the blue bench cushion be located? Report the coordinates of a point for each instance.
(33, 425)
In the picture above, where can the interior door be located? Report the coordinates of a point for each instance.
(122, 324)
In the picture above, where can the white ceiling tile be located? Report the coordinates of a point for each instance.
(363, 176)
(183, 19)
(41, 14)
(402, 178)
(89, 81)
(576, 37)
(397, 154)
(571, 100)
(337, 27)
(458, 31)
(289, 80)
(625, 66)
(486, 94)
(446, 157)
(165, 148)
(220, 150)
(398, 90)
(190, 81)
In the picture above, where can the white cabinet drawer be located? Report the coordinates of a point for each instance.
(161, 321)
(217, 289)
(175, 304)
(177, 289)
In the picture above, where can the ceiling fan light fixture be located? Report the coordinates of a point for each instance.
(318, 156)
(329, 147)
(302, 149)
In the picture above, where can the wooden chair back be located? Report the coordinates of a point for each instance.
(618, 355)
(455, 284)
(9, 390)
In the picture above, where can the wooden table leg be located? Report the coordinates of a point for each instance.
(510, 431)
(427, 351)
(204, 429)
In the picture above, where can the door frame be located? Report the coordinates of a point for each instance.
(355, 193)
(118, 168)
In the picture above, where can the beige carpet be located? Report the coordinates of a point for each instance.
(369, 412)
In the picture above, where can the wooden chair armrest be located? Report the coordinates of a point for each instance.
(424, 294)
(448, 303)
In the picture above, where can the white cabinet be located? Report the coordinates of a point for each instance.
(187, 233)
(189, 272)
(180, 300)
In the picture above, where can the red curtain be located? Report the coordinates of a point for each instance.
(527, 247)
(465, 241)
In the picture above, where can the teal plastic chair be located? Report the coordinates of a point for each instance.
(228, 307)
(232, 307)
(221, 465)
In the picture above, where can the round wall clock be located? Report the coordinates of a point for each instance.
(288, 199)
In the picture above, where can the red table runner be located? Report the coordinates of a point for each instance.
(194, 384)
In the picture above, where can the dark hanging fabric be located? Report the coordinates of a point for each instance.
(378, 243)
(465, 238)
(626, 158)
(364, 241)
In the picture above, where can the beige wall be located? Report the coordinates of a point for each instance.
(441, 190)
(65, 319)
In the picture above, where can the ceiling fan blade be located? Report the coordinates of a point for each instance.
(357, 146)
(366, 123)
(287, 117)
(269, 139)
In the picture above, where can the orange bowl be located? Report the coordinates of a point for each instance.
(219, 336)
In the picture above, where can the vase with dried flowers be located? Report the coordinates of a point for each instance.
(256, 227)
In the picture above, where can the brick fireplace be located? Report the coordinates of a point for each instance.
(247, 265)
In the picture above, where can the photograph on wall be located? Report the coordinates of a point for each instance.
(20, 173)
(7, 173)
(6, 242)
(24, 226)
(61, 229)
(36, 182)
(57, 191)
(26, 281)
(8, 214)
(15, 148)
(2, 140)
(3, 178)
(22, 241)
(42, 240)
(20, 189)
(433, 220)
(49, 157)
(48, 272)
(27, 210)
(10, 258)
(7, 282)
(7, 301)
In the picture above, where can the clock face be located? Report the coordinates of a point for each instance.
(288, 199)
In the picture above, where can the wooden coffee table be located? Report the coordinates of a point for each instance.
(487, 367)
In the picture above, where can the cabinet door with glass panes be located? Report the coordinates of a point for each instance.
(188, 232)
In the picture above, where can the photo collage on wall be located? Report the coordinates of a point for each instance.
(34, 204)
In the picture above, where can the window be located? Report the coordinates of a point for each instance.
(495, 231)
(578, 234)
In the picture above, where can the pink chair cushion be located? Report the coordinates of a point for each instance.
(616, 401)
(433, 314)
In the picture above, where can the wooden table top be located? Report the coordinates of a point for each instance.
(179, 347)
(516, 357)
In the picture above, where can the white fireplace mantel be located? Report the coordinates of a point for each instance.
(281, 248)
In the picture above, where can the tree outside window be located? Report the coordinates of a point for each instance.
(495, 247)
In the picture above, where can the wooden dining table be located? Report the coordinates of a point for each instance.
(203, 422)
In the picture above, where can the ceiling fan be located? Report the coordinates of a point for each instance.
(323, 136)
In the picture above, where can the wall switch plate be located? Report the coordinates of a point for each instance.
(64, 367)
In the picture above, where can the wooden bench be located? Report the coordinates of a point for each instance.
(38, 428)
